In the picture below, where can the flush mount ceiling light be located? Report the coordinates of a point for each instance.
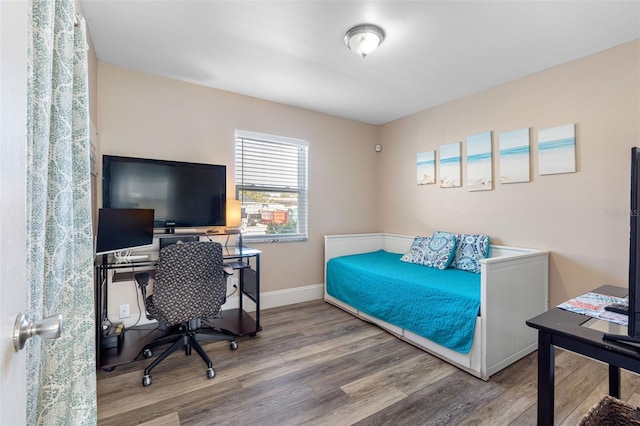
(364, 39)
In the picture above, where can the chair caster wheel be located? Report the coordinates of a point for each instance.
(108, 369)
(234, 345)
(147, 353)
(211, 373)
(146, 381)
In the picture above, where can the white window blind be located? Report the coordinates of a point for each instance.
(271, 183)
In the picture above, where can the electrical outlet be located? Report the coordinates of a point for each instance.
(124, 311)
(234, 282)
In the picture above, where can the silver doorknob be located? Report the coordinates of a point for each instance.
(47, 328)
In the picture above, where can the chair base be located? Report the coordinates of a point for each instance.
(187, 339)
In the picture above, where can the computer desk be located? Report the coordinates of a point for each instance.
(583, 335)
(234, 321)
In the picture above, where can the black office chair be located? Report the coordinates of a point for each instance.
(190, 286)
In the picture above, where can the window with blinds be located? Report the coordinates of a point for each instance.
(271, 183)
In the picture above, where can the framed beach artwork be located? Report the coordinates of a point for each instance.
(514, 156)
(479, 167)
(557, 150)
(426, 166)
(450, 165)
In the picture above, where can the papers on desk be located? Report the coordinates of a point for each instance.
(592, 305)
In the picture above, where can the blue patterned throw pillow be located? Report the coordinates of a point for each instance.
(418, 251)
(435, 252)
(470, 250)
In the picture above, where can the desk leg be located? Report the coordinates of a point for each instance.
(546, 378)
(614, 381)
(258, 328)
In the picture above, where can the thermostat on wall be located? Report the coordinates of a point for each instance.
(378, 148)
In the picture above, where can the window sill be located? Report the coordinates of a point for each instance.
(274, 240)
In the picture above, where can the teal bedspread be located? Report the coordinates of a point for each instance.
(440, 305)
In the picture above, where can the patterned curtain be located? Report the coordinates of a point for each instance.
(61, 374)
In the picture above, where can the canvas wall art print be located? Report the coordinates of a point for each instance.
(514, 156)
(557, 150)
(450, 165)
(479, 164)
(426, 166)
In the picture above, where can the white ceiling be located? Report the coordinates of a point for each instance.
(293, 52)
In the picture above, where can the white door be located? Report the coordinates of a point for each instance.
(13, 107)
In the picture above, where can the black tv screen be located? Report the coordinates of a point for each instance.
(634, 247)
(181, 194)
(123, 229)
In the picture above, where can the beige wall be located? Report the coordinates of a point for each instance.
(582, 218)
(142, 115)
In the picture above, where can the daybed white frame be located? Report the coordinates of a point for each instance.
(514, 288)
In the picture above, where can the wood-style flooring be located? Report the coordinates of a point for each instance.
(314, 364)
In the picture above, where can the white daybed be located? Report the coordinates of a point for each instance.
(514, 288)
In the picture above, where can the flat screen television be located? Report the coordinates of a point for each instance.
(123, 229)
(634, 247)
(181, 194)
(633, 329)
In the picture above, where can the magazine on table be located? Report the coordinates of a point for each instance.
(593, 304)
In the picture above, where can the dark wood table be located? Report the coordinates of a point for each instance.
(566, 330)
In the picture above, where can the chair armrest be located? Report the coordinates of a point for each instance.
(228, 269)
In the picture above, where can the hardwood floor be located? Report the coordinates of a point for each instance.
(314, 364)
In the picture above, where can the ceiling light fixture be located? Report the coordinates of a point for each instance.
(364, 39)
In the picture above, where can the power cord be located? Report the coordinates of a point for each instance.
(138, 291)
(235, 290)
(135, 285)
(106, 322)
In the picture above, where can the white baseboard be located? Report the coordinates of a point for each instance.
(273, 299)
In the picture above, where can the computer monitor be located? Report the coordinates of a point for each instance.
(124, 229)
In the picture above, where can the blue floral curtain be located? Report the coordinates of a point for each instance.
(62, 382)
